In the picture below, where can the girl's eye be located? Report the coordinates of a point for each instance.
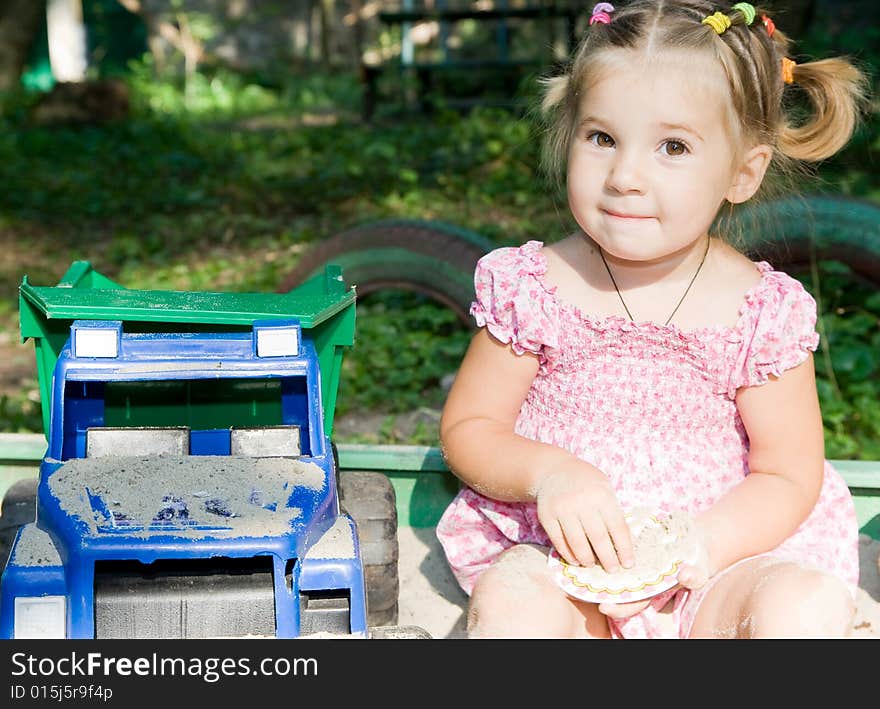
(674, 148)
(603, 140)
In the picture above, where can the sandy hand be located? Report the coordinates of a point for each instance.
(697, 574)
(580, 513)
(619, 611)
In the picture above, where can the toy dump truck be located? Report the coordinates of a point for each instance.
(190, 487)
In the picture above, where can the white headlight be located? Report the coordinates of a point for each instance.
(96, 343)
(277, 342)
(40, 617)
(96, 338)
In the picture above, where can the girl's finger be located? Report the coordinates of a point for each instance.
(621, 537)
(557, 539)
(597, 533)
(623, 610)
(576, 538)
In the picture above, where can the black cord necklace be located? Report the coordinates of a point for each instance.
(611, 276)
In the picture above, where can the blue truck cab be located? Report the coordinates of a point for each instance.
(189, 489)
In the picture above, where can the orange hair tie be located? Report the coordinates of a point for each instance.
(788, 66)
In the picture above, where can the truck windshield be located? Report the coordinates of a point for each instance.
(208, 407)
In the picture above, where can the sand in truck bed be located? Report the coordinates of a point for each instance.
(193, 496)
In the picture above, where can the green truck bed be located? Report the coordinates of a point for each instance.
(324, 305)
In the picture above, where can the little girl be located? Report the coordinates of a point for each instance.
(643, 361)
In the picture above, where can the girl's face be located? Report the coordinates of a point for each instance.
(651, 159)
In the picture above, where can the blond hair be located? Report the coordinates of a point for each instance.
(752, 61)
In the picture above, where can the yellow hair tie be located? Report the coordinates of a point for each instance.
(748, 11)
(788, 66)
(718, 22)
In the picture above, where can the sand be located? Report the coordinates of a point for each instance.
(35, 548)
(429, 594)
(430, 597)
(188, 495)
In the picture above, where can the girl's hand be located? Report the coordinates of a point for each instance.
(583, 519)
(619, 611)
(696, 575)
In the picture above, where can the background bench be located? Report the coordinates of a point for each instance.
(497, 61)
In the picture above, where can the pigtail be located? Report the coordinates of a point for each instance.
(837, 92)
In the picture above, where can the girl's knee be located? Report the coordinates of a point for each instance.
(793, 601)
(506, 595)
(519, 571)
(516, 597)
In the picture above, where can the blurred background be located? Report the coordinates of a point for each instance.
(215, 144)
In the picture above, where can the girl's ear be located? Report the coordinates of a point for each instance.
(747, 179)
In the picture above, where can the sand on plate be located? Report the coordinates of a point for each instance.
(659, 541)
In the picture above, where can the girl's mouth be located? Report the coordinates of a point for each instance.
(619, 215)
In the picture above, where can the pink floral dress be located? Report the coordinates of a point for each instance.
(652, 407)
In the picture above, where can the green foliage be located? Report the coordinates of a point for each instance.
(20, 414)
(222, 93)
(848, 361)
(405, 346)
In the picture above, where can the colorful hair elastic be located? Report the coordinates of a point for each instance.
(788, 66)
(601, 13)
(717, 21)
(768, 23)
(747, 10)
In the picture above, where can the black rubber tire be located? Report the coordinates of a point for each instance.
(791, 233)
(18, 509)
(370, 500)
(438, 259)
(429, 257)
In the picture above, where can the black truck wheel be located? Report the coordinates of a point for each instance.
(18, 509)
(428, 257)
(369, 498)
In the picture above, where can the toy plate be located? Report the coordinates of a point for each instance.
(595, 585)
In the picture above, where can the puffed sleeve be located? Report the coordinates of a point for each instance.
(512, 300)
(779, 331)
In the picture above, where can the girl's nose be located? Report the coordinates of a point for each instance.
(625, 174)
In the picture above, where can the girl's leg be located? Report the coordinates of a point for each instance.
(517, 597)
(768, 598)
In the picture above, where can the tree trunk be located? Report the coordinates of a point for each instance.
(327, 12)
(67, 40)
(20, 21)
(357, 31)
